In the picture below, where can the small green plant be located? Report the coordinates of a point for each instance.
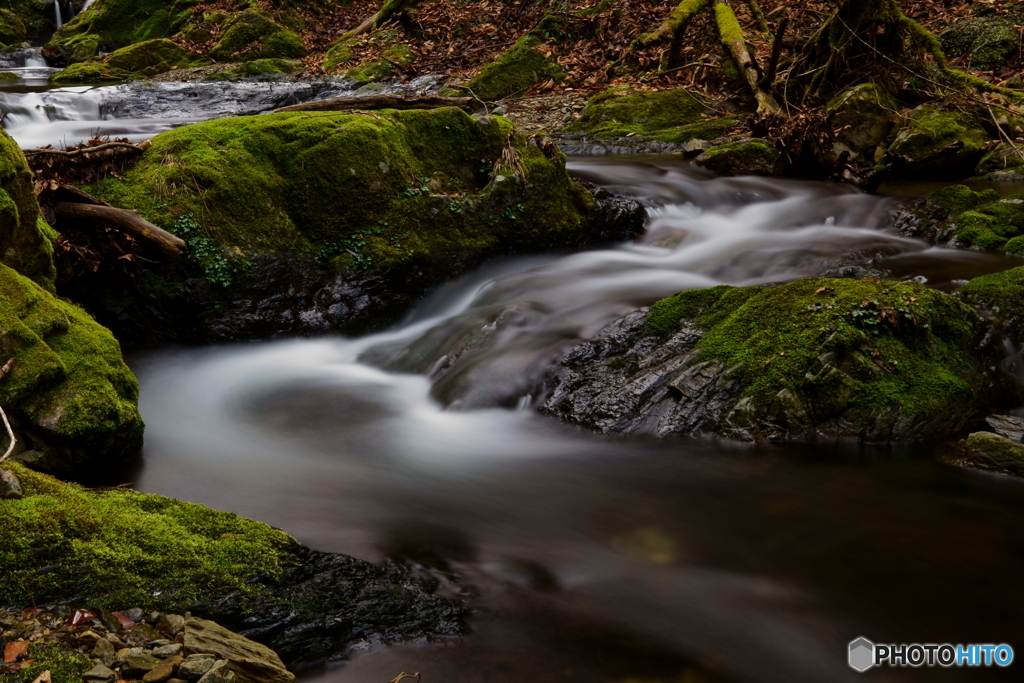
(203, 250)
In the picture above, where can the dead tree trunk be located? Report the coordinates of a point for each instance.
(126, 221)
(732, 39)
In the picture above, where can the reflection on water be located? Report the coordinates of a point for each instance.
(589, 558)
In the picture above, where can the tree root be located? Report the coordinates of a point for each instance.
(733, 40)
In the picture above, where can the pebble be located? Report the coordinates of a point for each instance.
(100, 674)
(165, 651)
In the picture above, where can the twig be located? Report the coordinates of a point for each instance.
(10, 432)
(405, 675)
(768, 80)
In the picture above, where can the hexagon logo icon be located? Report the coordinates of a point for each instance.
(862, 654)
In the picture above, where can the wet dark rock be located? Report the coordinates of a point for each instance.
(326, 603)
(10, 487)
(99, 674)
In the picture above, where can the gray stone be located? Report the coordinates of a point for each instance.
(171, 624)
(10, 487)
(104, 650)
(135, 614)
(136, 663)
(695, 148)
(220, 673)
(1007, 425)
(165, 651)
(194, 669)
(100, 673)
(987, 451)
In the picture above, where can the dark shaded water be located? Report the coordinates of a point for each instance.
(594, 559)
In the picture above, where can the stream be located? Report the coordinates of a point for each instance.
(587, 558)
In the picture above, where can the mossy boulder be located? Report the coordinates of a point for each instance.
(752, 156)
(339, 54)
(880, 361)
(666, 115)
(113, 24)
(515, 71)
(1001, 295)
(260, 68)
(35, 18)
(91, 72)
(988, 451)
(1003, 162)
(121, 549)
(12, 28)
(863, 118)
(253, 35)
(959, 216)
(930, 129)
(408, 198)
(991, 41)
(384, 68)
(25, 242)
(150, 57)
(72, 399)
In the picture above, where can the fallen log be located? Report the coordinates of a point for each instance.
(736, 45)
(381, 102)
(126, 221)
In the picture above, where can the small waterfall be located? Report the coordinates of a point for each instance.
(34, 59)
(58, 17)
(88, 4)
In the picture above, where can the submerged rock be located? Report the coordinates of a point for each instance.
(305, 223)
(880, 361)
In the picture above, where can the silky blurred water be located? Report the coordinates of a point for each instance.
(586, 558)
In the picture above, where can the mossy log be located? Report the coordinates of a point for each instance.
(391, 9)
(732, 39)
(126, 221)
(675, 24)
(381, 102)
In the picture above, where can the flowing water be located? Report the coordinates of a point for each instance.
(584, 558)
(589, 558)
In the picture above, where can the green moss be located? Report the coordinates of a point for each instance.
(12, 28)
(930, 129)
(36, 17)
(742, 157)
(260, 67)
(8, 76)
(959, 198)
(862, 117)
(515, 71)
(340, 53)
(615, 113)
(990, 40)
(112, 24)
(69, 380)
(897, 347)
(370, 190)
(1003, 294)
(64, 664)
(82, 47)
(92, 72)
(23, 246)
(149, 58)
(254, 35)
(120, 548)
(1004, 157)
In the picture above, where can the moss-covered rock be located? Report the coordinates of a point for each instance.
(259, 68)
(339, 54)
(1005, 161)
(91, 72)
(515, 71)
(35, 17)
(12, 28)
(112, 24)
(752, 156)
(881, 361)
(988, 451)
(72, 399)
(150, 57)
(412, 192)
(384, 68)
(253, 35)
(121, 548)
(930, 129)
(863, 118)
(959, 216)
(24, 245)
(1002, 296)
(991, 41)
(666, 115)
